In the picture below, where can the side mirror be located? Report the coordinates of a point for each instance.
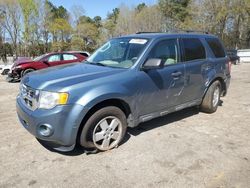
(153, 63)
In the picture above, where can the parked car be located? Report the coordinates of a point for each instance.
(129, 80)
(244, 55)
(234, 58)
(22, 67)
(5, 69)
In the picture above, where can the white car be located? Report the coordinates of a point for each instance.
(244, 55)
(5, 69)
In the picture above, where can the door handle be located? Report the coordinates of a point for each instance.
(176, 74)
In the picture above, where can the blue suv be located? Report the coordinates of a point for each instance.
(129, 80)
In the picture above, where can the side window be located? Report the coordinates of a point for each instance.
(193, 49)
(68, 57)
(54, 58)
(166, 50)
(216, 47)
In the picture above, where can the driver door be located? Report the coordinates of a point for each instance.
(54, 60)
(161, 89)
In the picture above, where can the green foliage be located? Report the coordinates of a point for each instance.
(29, 11)
(61, 29)
(175, 9)
(98, 21)
(140, 7)
(60, 46)
(77, 43)
(111, 22)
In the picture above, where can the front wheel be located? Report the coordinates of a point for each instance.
(212, 98)
(105, 129)
(26, 72)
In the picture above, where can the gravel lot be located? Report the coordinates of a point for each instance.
(184, 149)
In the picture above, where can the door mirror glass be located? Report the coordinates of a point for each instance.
(153, 63)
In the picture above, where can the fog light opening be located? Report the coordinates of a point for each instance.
(45, 130)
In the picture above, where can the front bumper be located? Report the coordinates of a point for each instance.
(65, 121)
(13, 76)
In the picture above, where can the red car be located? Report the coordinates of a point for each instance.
(22, 67)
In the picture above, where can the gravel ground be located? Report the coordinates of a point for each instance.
(184, 149)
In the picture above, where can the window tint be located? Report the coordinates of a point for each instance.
(167, 51)
(114, 52)
(216, 47)
(54, 58)
(121, 52)
(84, 54)
(67, 57)
(193, 49)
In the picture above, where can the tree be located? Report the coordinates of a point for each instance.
(227, 19)
(30, 12)
(125, 21)
(140, 7)
(10, 16)
(98, 21)
(149, 19)
(61, 29)
(88, 31)
(61, 12)
(241, 21)
(110, 23)
(46, 18)
(175, 12)
(77, 43)
(76, 12)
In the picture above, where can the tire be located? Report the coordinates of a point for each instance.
(105, 129)
(211, 99)
(5, 71)
(24, 72)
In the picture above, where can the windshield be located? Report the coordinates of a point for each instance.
(120, 53)
(39, 57)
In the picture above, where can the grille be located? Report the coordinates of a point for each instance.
(29, 97)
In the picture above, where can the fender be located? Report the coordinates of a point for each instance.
(212, 76)
(99, 94)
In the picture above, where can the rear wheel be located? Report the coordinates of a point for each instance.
(27, 71)
(212, 98)
(105, 129)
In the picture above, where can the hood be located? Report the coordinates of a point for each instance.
(57, 78)
(22, 60)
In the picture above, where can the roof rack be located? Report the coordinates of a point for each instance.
(145, 32)
(175, 31)
(195, 31)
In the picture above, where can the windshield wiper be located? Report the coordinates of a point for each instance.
(96, 63)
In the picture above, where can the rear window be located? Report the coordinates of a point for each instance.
(193, 49)
(216, 47)
(69, 57)
(84, 54)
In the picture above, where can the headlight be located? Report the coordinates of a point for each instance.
(48, 100)
(17, 67)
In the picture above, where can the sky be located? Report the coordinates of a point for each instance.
(99, 7)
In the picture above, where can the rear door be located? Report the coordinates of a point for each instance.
(69, 58)
(194, 56)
